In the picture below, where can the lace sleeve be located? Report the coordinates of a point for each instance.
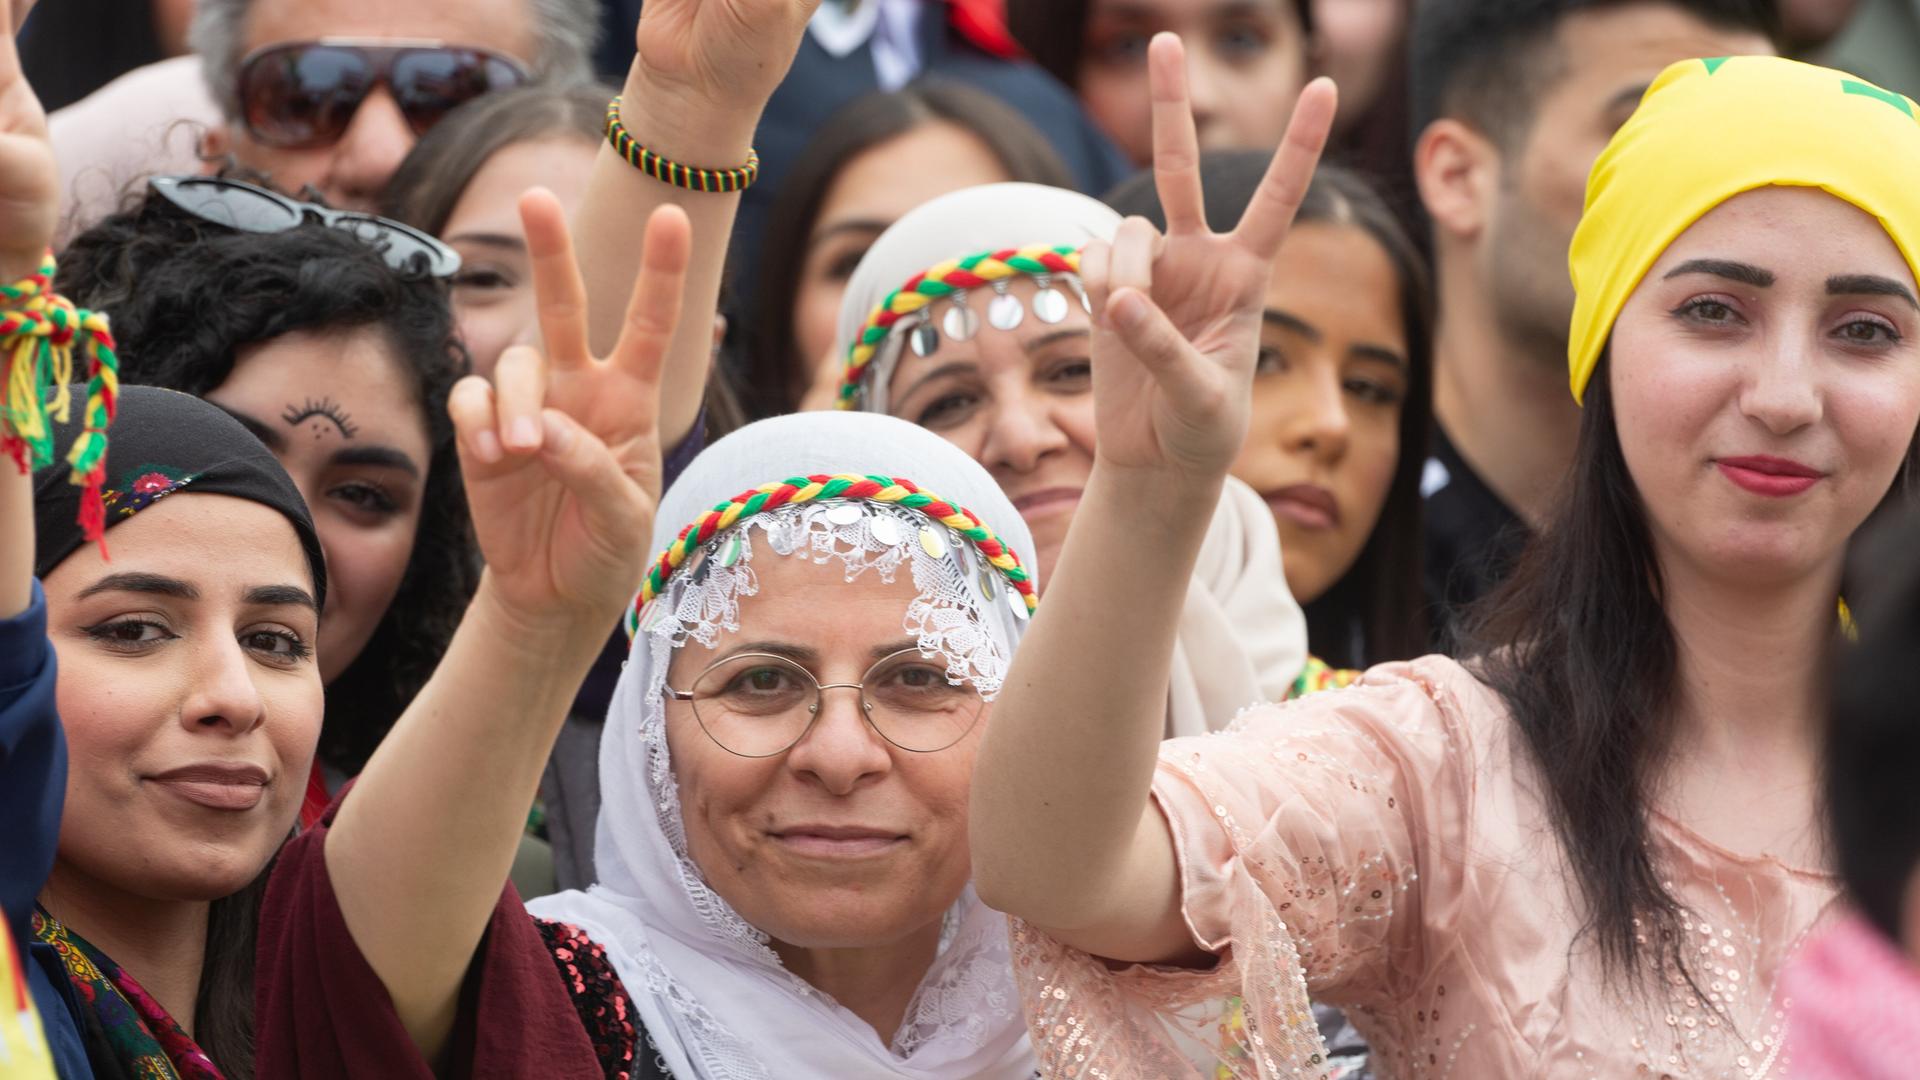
(1300, 834)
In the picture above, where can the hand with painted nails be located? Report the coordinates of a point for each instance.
(1177, 316)
(561, 452)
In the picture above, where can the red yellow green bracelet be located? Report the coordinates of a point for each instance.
(38, 330)
(672, 172)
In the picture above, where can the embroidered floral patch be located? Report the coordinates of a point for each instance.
(140, 486)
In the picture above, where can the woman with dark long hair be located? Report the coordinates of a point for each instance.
(1341, 404)
(1591, 848)
(340, 360)
(877, 158)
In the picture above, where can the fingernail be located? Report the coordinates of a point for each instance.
(486, 447)
(559, 433)
(524, 433)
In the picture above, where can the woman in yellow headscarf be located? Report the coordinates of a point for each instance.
(1588, 849)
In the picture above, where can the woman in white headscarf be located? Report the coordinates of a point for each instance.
(782, 846)
(967, 317)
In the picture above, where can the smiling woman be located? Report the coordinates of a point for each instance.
(190, 700)
(783, 847)
(341, 365)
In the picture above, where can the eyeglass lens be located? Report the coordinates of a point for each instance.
(757, 705)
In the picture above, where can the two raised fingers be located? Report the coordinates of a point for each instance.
(1176, 154)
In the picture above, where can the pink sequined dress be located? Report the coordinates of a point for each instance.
(1385, 849)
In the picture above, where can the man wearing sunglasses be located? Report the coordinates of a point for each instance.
(332, 94)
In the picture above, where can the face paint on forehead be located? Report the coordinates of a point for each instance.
(314, 413)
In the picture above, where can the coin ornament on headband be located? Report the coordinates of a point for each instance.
(908, 310)
(847, 489)
(38, 329)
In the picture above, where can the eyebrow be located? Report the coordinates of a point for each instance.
(1628, 96)
(1047, 339)
(1744, 273)
(273, 439)
(951, 367)
(1379, 353)
(851, 225)
(281, 596)
(807, 656)
(1869, 285)
(382, 456)
(504, 241)
(1286, 320)
(799, 654)
(150, 584)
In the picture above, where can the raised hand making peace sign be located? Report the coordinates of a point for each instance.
(561, 452)
(1063, 833)
(1177, 317)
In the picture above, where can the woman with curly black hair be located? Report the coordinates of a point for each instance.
(337, 348)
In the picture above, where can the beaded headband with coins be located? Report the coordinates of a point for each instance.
(945, 527)
(905, 317)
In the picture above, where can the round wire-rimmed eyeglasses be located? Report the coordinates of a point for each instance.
(758, 705)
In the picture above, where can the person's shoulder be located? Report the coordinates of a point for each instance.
(1431, 699)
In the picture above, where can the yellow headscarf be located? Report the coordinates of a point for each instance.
(1708, 130)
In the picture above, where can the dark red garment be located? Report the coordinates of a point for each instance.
(321, 1012)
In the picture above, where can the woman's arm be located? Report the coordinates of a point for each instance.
(561, 458)
(1064, 835)
(702, 73)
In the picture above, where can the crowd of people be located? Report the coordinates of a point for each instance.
(948, 539)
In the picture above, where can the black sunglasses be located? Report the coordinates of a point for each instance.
(248, 208)
(303, 94)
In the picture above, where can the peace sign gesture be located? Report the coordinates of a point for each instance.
(1177, 317)
(561, 452)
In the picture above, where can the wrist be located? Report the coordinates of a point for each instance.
(1172, 491)
(687, 126)
(557, 637)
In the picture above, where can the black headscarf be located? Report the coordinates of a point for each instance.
(164, 443)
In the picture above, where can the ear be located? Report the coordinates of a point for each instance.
(1458, 172)
(215, 144)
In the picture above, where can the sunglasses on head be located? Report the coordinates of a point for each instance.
(248, 208)
(303, 94)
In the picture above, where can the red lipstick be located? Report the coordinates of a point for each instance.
(1770, 476)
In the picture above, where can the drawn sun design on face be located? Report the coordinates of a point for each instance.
(321, 409)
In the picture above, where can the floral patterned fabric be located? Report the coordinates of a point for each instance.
(1386, 849)
(130, 1027)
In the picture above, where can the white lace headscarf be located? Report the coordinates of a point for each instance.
(715, 1000)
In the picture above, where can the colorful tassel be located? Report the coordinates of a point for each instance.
(38, 328)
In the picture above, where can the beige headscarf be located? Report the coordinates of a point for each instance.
(1242, 637)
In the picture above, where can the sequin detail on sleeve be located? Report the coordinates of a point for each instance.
(598, 996)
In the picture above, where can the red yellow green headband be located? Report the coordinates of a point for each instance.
(798, 490)
(971, 272)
